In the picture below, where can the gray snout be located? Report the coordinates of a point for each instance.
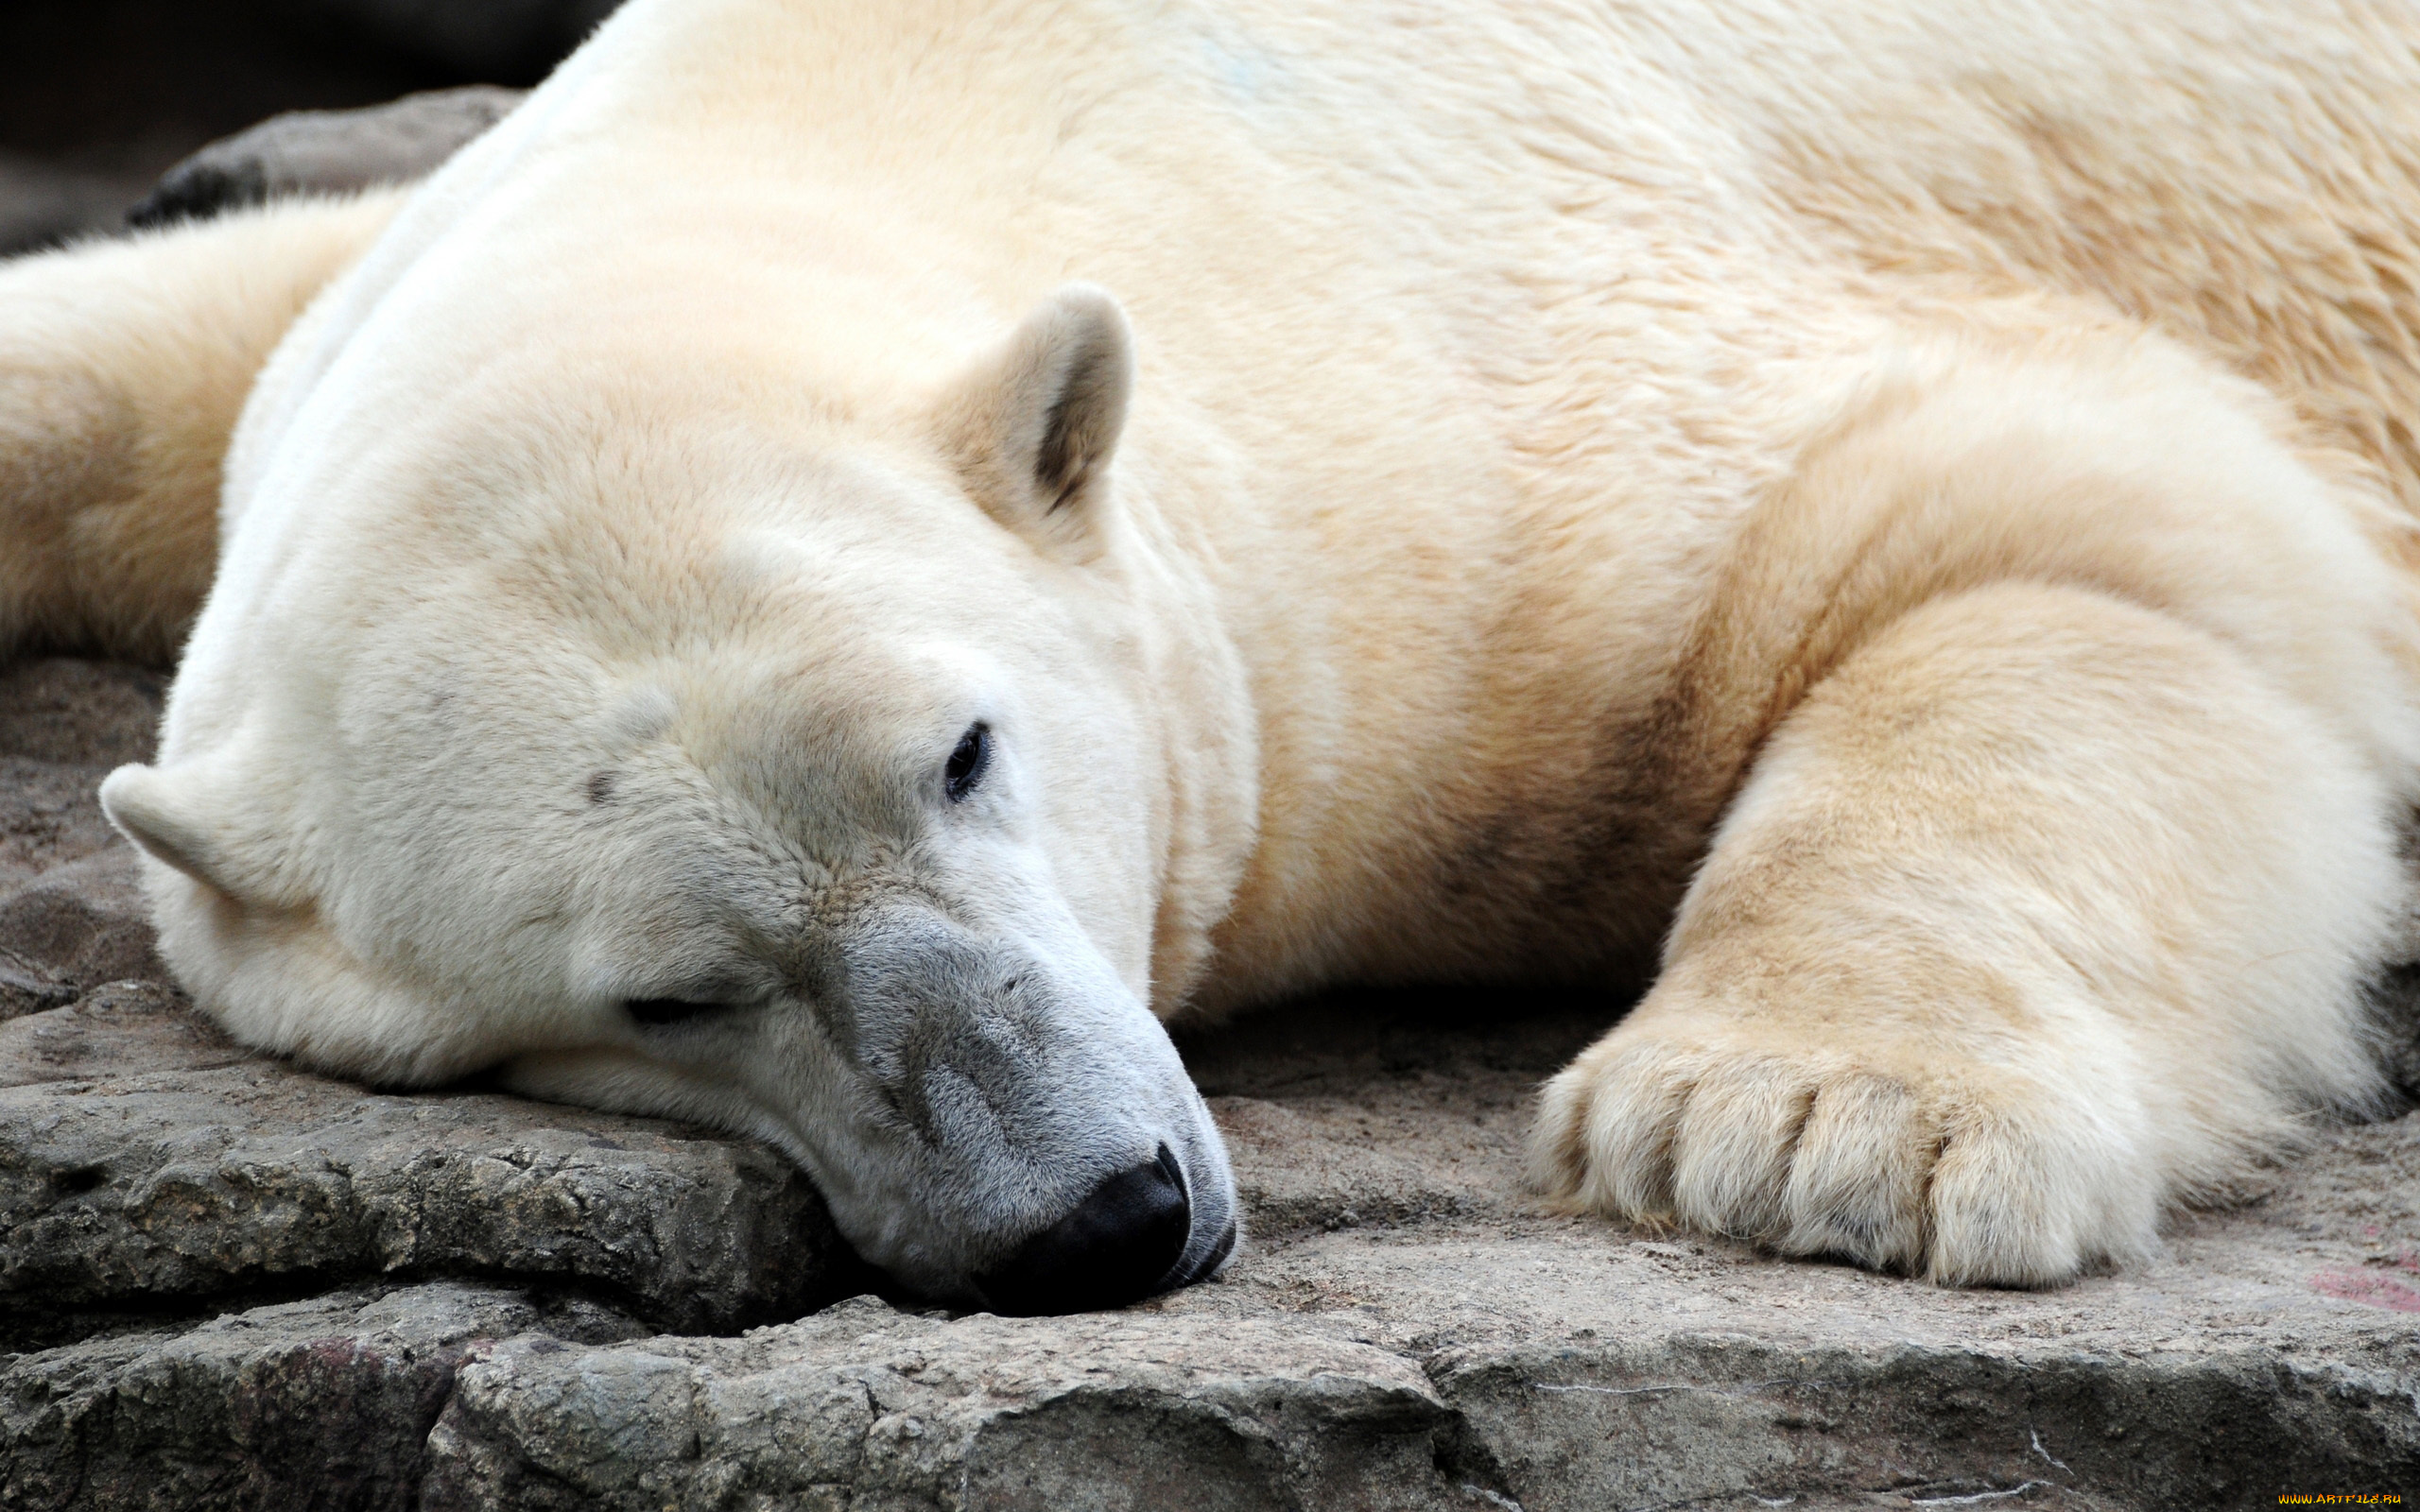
(1039, 1146)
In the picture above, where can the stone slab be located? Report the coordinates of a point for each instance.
(323, 1405)
(867, 1407)
(146, 1161)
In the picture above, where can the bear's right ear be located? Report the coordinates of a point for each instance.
(1033, 428)
(148, 808)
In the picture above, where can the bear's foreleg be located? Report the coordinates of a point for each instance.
(124, 365)
(2041, 913)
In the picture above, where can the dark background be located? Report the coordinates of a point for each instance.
(97, 97)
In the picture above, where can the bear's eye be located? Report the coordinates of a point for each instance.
(966, 763)
(657, 1013)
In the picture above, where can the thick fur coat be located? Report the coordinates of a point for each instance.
(1900, 515)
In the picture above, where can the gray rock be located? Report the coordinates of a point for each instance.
(326, 151)
(1700, 1417)
(71, 906)
(84, 923)
(28, 986)
(144, 1160)
(90, 715)
(864, 1408)
(51, 818)
(317, 1406)
(115, 1031)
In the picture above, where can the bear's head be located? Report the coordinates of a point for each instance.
(828, 771)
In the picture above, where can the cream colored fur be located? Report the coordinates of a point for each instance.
(1907, 504)
(123, 365)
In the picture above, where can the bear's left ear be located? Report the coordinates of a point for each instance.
(1032, 428)
(159, 812)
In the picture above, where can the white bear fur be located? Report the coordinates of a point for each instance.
(1925, 491)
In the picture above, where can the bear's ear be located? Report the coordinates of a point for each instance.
(1032, 428)
(147, 809)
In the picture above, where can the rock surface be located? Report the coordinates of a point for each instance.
(232, 1284)
(144, 1162)
(324, 1404)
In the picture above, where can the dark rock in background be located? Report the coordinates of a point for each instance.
(325, 152)
(99, 98)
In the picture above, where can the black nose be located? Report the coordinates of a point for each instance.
(1120, 1244)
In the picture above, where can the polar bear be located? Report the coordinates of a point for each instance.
(849, 561)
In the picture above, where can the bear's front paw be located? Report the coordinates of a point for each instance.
(1967, 1173)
